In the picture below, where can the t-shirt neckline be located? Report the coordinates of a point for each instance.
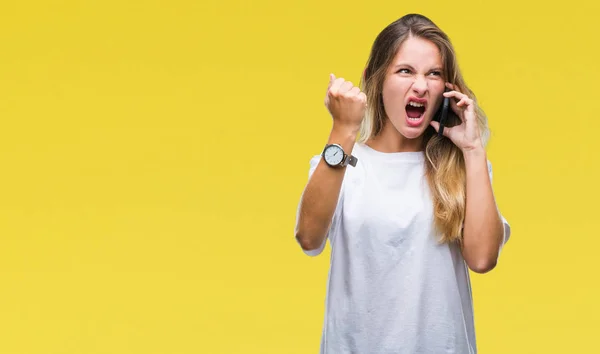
(408, 156)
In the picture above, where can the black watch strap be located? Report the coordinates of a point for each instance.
(349, 160)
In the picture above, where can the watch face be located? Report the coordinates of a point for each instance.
(334, 155)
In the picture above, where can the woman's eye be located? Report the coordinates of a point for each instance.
(404, 71)
(436, 73)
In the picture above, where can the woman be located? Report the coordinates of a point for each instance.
(407, 212)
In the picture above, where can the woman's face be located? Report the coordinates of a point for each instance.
(413, 87)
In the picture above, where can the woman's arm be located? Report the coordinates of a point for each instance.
(346, 104)
(483, 232)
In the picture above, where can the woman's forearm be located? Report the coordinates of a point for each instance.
(320, 197)
(483, 229)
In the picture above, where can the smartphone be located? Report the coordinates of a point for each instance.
(442, 114)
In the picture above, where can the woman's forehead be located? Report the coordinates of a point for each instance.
(418, 52)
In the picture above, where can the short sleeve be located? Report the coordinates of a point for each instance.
(504, 221)
(314, 162)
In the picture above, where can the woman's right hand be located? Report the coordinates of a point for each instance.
(346, 103)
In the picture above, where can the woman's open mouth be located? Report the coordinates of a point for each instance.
(414, 113)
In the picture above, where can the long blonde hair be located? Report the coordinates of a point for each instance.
(445, 166)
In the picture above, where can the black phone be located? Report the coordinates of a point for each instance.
(442, 114)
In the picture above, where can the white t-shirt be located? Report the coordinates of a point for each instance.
(392, 288)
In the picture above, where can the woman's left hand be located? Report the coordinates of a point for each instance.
(465, 135)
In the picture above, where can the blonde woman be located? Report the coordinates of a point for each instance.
(407, 211)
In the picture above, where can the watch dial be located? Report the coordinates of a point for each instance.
(334, 155)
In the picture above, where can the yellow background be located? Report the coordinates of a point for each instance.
(153, 153)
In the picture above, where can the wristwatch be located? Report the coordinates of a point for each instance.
(334, 156)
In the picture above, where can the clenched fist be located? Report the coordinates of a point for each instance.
(346, 103)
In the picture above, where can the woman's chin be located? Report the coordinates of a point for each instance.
(413, 132)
